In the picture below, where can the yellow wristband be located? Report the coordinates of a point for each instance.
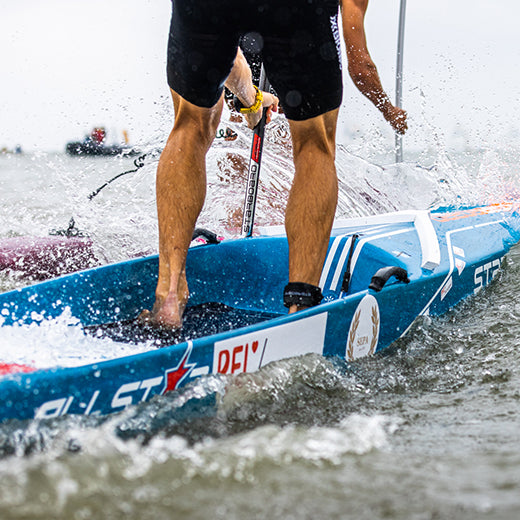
(257, 104)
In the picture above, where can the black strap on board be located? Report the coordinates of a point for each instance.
(346, 277)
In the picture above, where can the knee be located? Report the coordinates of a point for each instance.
(315, 137)
(197, 125)
(315, 146)
(196, 131)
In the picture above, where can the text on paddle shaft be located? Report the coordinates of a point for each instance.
(252, 185)
(250, 197)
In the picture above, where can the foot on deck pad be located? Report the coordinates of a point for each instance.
(198, 321)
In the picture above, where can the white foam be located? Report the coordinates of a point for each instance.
(239, 455)
(59, 342)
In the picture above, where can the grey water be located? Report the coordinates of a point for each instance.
(427, 430)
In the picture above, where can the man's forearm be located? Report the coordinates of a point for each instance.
(364, 74)
(240, 81)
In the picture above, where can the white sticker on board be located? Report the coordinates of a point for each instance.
(363, 334)
(249, 352)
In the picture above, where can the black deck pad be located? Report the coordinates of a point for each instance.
(200, 320)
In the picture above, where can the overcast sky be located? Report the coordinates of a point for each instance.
(67, 65)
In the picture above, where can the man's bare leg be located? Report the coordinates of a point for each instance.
(181, 190)
(313, 197)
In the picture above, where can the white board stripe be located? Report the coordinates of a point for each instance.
(449, 246)
(329, 259)
(340, 266)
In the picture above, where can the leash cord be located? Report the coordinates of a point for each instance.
(138, 163)
(72, 231)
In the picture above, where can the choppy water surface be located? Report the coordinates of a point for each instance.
(428, 430)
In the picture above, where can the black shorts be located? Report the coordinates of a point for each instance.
(298, 41)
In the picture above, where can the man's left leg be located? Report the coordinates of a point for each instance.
(181, 190)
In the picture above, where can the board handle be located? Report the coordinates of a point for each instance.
(383, 275)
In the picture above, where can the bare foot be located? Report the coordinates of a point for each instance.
(296, 308)
(166, 314)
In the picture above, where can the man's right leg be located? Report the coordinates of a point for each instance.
(313, 197)
(181, 189)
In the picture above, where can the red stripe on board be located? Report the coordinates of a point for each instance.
(12, 368)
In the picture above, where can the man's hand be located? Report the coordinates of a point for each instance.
(397, 117)
(240, 83)
(270, 102)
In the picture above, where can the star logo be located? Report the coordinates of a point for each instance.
(174, 376)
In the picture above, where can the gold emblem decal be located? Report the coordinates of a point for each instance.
(363, 334)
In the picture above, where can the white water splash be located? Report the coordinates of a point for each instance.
(233, 456)
(122, 220)
(59, 342)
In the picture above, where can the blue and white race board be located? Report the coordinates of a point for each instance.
(380, 274)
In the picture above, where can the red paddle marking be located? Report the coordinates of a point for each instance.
(257, 142)
(12, 368)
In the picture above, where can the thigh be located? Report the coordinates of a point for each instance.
(302, 57)
(201, 49)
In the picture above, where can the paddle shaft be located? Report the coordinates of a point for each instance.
(255, 159)
(399, 78)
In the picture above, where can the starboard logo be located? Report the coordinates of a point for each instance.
(125, 395)
(173, 377)
(363, 333)
(485, 273)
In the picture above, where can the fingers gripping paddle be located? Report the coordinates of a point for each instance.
(255, 159)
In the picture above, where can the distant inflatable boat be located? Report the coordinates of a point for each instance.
(91, 148)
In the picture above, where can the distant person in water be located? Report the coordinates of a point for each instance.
(301, 53)
(98, 135)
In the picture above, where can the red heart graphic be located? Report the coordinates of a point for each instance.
(254, 347)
